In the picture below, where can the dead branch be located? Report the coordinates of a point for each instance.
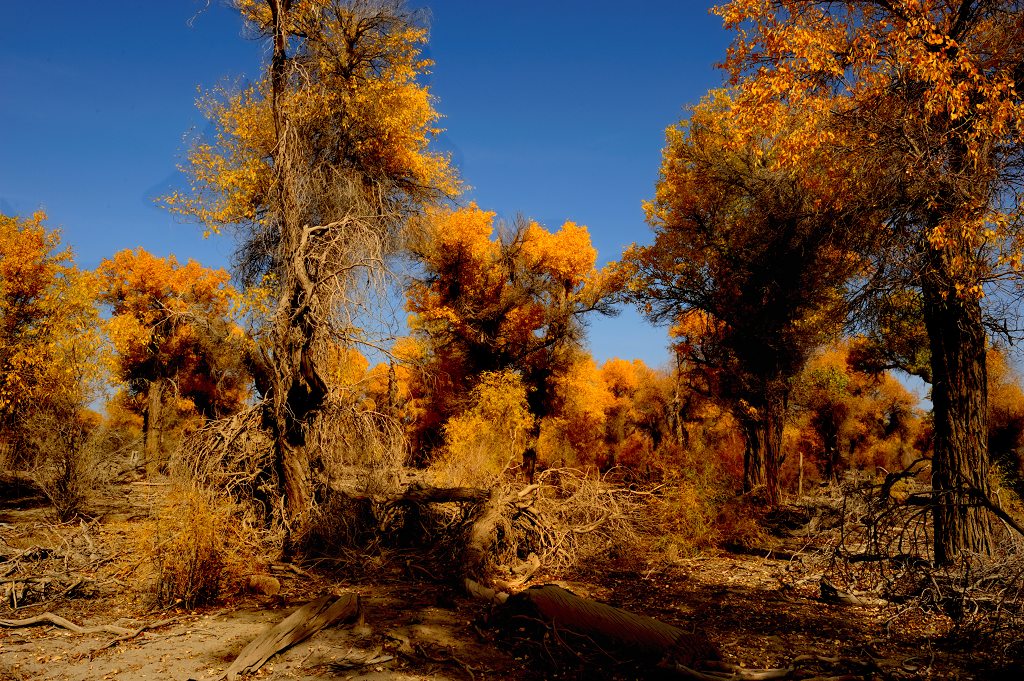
(135, 632)
(832, 594)
(58, 621)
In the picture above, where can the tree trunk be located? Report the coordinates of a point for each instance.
(297, 389)
(774, 422)
(960, 413)
(152, 428)
(753, 454)
(762, 456)
(620, 634)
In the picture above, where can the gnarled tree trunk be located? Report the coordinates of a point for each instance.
(960, 411)
(762, 456)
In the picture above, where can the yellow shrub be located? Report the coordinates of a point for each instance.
(490, 435)
(200, 545)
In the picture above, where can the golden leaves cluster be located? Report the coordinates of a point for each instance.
(927, 84)
(353, 83)
(168, 320)
(49, 342)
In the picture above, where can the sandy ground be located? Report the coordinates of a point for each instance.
(759, 610)
(424, 641)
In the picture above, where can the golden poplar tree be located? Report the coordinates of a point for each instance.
(173, 335)
(317, 166)
(927, 93)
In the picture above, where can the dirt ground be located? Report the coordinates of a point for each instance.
(761, 611)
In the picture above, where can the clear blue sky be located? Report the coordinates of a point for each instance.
(555, 110)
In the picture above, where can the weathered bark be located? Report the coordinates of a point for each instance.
(295, 628)
(477, 554)
(153, 428)
(762, 456)
(297, 389)
(621, 633)
(753, 454)
(775, 420)
(960, 415)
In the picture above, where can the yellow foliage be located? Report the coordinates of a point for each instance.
(934, 91)
(172, 321)
(357, 90)
(49, 339)
(575, 434)
(490, 435)
(566, 255)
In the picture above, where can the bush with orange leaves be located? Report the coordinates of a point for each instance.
(490, 435)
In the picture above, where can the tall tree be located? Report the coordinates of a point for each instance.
(760, 244)
(173, 335)
(492, 298)
(927, 92)
(318, 165)
(48, 325)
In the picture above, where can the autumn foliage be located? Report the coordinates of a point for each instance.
(839, 212)
(174, 340)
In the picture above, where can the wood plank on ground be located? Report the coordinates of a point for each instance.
(297, 627)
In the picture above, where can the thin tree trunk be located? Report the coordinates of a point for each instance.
(960, 413)
(153, 428)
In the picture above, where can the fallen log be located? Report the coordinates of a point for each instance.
(19, 484)
(617, 631)
(297, 627)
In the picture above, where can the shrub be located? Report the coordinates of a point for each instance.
(200, 545)
(63, 442)
(490, 435)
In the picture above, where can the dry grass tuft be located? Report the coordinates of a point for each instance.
(200, 545)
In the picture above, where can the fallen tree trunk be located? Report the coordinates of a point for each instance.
(619, 632)
(295, 628)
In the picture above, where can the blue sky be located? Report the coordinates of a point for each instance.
(554, 110)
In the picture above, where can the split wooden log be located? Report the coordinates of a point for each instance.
(624, 634)
(297, 627)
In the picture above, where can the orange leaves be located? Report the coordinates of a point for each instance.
(503, 290)
(48, 342)
(353, 101)
(156, 297)
(920, 88)
(565, 255)
(172, 321)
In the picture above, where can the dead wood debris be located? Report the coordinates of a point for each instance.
(124, 634)
(297, 627)
(58, 621)
(618, 633)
